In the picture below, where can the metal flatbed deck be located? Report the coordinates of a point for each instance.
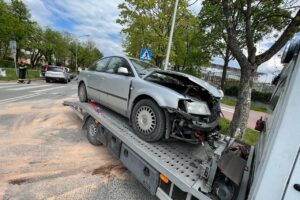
(182, 163)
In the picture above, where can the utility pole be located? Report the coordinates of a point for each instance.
(76, 52)
(171, 36)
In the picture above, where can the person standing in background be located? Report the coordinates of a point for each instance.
(22, 71)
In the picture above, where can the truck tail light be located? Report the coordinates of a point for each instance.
(164, 178)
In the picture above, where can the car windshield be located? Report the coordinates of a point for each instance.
(55, 69)
(142, 68)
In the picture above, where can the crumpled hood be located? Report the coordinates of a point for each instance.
(211, 89)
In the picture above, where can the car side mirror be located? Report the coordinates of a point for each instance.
(123, 70)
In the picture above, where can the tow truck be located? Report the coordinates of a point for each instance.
(231, 170)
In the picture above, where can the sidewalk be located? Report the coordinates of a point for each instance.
(253, 115)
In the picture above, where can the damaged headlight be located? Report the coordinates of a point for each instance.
(197, 108)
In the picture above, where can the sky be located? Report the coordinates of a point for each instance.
(97, 18)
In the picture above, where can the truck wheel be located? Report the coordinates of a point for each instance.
(92, 131)
(148, 120)
(82, 93)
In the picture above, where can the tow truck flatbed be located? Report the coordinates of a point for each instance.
(168, 169)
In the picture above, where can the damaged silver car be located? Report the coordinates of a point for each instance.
(159, 104)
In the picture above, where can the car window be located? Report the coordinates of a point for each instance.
(164, 78)
(56, 69)
(99, 65)
(115, 63)
(142, 68)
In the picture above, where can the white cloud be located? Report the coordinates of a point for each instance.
(39, 12)
(96, 18)
(195, 6)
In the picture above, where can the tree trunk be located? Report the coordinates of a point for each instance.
(240, 117)
(225, 66)
(158, 61)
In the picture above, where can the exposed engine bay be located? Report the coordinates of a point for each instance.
(196, 119)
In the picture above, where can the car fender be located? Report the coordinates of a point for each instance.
(163, 96)
(82, 79)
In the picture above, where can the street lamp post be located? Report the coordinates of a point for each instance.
(171, 35)
(76, 52)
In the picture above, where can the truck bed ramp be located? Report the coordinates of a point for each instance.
(168, 169)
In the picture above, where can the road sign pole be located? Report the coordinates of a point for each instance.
(171, 35)
(15, 61)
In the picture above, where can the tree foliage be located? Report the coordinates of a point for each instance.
(253, 21)
(43, 43)
(147, 24)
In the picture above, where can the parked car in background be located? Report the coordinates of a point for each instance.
(57, 73)
(160, 104)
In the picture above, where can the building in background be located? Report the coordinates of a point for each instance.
(213, 74)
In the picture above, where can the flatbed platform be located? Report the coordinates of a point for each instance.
(189, 167)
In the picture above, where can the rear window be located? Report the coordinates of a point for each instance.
(55, 69)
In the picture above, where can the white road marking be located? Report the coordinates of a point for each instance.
(230, 110)
(3, 101)
(16, 85)
(74, 95)
(30, 87)
(8, 83)
(43, 90)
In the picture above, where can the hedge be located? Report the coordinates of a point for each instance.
(263, 97)
(7, 64)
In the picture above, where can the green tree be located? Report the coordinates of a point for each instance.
(23, 26)
(189, 47)
(88, 53)
(254, 20)
(8, 24)
(35, 45)
(147, 24)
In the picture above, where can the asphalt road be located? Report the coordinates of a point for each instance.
(44, 154)
(253, 115)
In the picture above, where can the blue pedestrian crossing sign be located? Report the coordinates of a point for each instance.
(145, 55)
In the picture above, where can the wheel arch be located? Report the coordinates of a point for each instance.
(80, 82)
(139, 98)
(166, 114)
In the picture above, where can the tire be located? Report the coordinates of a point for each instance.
(47, 80)
(82, 94)
(146, 110)
(66, 81)
(92, 131)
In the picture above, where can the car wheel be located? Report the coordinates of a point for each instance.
(66, 81)
(47, 80)
(82, 93)
(148, 120)
(92, 131)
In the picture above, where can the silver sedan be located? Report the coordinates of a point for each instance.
(159, 104)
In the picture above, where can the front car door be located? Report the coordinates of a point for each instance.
(116, 85)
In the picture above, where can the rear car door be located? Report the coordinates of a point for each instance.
(117, 85)
(94, 79)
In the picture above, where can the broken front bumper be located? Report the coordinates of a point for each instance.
(187, 127)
